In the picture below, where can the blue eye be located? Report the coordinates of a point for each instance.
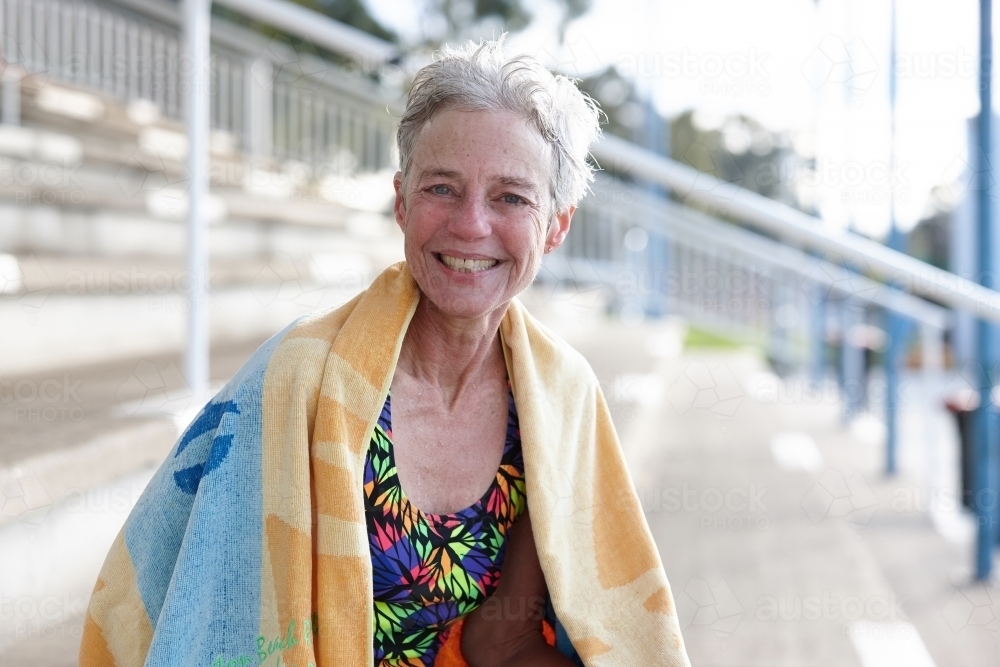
(513, 199)
(440, 189)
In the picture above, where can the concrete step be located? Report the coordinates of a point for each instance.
(43, 331)
(55, 411)
(85, 213)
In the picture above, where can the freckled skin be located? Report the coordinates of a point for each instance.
(478, 188)
(474, 213)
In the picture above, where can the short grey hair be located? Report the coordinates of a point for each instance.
(479, 77)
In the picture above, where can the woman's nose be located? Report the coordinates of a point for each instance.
(471, 219)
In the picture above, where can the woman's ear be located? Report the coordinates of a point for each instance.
(399, 206)
(558, 228)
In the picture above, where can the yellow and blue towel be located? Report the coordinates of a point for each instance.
(249, 546)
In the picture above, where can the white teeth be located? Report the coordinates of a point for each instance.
(468, 265)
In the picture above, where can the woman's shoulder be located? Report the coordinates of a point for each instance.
(322, 324)
(549, 351)
(300, 348)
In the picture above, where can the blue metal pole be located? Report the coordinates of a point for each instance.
(852, 360)
(657, 251)
(987, 456)
(896, 331)
(818, 336)
(891, 393)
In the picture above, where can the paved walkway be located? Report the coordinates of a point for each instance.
(784, 544)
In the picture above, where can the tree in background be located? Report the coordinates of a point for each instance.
(442, 21)
(740, 150)
(628, 115)
(736, 149)
(350, 12)
(459, 20)
(353, 13)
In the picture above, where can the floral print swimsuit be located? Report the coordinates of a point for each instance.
(429, 570)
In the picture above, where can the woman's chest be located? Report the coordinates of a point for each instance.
(446, 459)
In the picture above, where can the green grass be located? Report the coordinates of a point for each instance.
(700, 338)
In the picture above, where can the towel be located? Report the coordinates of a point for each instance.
(249, 545)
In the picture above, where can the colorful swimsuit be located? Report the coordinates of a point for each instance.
(431, 569)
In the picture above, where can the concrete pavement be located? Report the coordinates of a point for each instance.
(784, 543)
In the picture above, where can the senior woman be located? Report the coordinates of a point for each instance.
(359, 493)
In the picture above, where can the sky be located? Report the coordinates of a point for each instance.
(784, 63)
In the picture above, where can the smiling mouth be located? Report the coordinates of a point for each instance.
(466, 265)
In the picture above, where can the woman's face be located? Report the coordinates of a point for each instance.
(476, 209)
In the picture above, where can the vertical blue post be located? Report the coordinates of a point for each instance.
(658, 249)
(895, 324)
(987, 456)
(852, 360)
(896, 331)
(817, 319)
(776, 342)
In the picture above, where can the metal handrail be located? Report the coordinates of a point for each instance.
(773, 253)
(688, 226)
(321, 30)
(719, 275)
(798, 227)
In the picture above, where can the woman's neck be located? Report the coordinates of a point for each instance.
(449, 353)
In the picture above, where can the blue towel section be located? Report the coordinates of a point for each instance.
(205, 425)
(195, 535)
(563, 644)
(206, 421)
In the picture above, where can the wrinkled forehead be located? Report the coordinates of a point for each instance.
(499, 146)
